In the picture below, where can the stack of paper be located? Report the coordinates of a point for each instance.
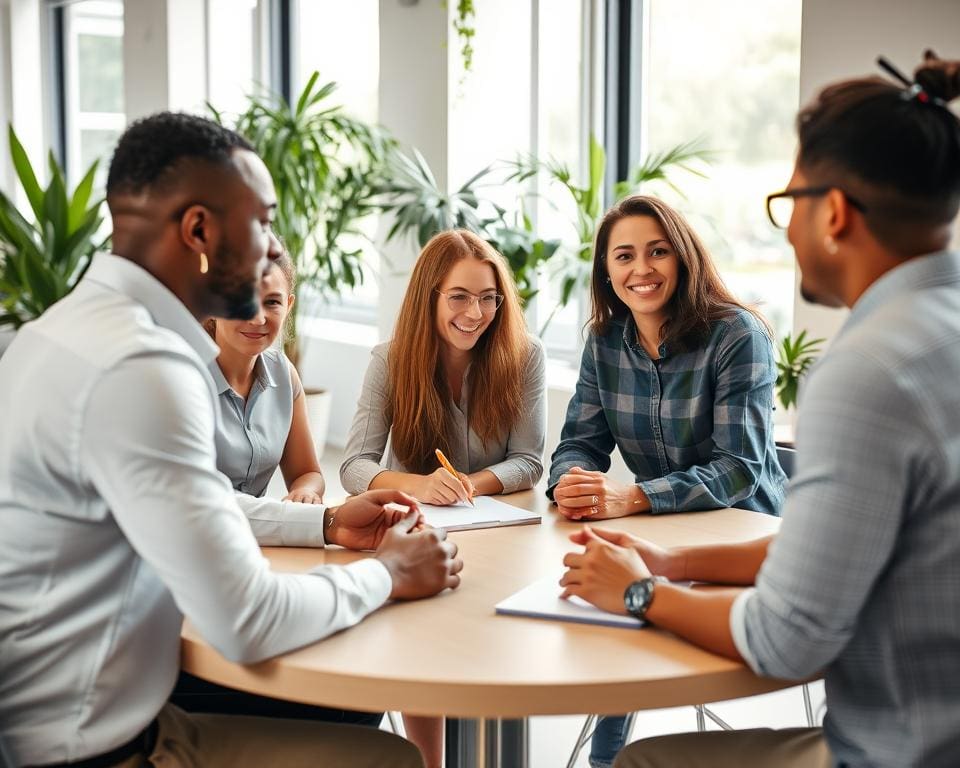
(487, 513)
(542, 600)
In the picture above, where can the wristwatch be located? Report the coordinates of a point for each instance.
(638, 596)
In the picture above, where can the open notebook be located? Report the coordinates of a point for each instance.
(487, 513)
(541, 600)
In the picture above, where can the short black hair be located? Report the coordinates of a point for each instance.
(898, 154)
(152, 146)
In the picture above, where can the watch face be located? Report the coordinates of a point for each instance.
(637, 597)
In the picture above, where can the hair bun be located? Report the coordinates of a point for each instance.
(939, 77)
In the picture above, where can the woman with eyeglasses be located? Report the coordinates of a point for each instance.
(676, 374)
(462, 375)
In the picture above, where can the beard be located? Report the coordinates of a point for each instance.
(239, 294)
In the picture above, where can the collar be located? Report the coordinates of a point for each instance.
(261, 374)
(941, 268)
(126, 277)
(631, 337)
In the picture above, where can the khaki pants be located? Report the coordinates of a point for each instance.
(758, 748)
(226, 741)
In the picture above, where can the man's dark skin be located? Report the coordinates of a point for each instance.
(226, 212)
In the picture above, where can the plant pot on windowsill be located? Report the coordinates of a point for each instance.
(318, 415)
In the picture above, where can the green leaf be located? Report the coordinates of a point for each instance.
(81, 197)
(28, 179)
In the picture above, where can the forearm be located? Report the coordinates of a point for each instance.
(398, 481)
(486, 483)
(700, 616)
(308, 482)
(736, 564)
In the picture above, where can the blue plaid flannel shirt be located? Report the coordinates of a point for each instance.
(695, 427)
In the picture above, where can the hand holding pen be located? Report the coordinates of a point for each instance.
(462, 480)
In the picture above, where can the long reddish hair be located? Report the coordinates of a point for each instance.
(420, 398)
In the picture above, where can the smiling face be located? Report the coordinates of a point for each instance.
(461, 328)
(644, 269)
(251, 337)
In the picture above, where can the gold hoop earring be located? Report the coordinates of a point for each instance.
(204, 266)
(830, 245)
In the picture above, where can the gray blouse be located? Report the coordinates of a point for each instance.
(516, 460)
(252, 433)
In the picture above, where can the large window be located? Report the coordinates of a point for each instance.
(740, 99)
(93, 116)
(341, 41)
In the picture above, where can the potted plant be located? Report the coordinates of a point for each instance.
(420, 207)
(326, 168)
(42, 260)
(794, 358)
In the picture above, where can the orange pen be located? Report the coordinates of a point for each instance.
(449, 467)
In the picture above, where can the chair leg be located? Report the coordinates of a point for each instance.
(717, 719)
(808, 706)
(585, 733)
(394, 723)
(701, 722)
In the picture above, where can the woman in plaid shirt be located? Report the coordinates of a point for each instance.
(679, 376)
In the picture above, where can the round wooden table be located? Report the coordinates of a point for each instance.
(452, 655)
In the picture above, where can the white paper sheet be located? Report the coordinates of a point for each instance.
(487, 513)
(541, 600)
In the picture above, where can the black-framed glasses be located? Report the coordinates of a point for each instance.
(461, 301)
(780, 204)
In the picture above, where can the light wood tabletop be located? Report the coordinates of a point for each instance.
(452, 655)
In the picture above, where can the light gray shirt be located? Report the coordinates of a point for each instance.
(863, 579)
(252, 432)
(115, 523)
(516, 459)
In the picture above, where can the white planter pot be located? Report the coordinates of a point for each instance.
(318, 414)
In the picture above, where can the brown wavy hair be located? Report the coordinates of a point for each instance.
(419, 396)
(701, 297)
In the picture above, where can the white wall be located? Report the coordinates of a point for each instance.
(842, 38)
(164, 56)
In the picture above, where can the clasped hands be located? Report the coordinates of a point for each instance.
(421, 560)
(583, 493)
(609, 563)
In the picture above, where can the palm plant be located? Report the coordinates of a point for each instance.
(794, 358)
(41, 261)
(326, 167)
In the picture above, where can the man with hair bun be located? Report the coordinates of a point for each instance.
(862, 583)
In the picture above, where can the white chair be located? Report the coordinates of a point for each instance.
(786, 456)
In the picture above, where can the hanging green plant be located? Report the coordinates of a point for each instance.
(464, 25)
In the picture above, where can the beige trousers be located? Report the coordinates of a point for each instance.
(757, 748)
(231, 741)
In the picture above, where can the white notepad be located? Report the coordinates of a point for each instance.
(541, 600)
(488, 513)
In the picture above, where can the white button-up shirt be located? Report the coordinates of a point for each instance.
(114, 523)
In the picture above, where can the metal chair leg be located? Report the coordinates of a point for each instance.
(808, 706)
(585, 733)
(717, 719)
(395, 723)
(701, 721)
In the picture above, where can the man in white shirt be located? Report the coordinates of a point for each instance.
(115, 521)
